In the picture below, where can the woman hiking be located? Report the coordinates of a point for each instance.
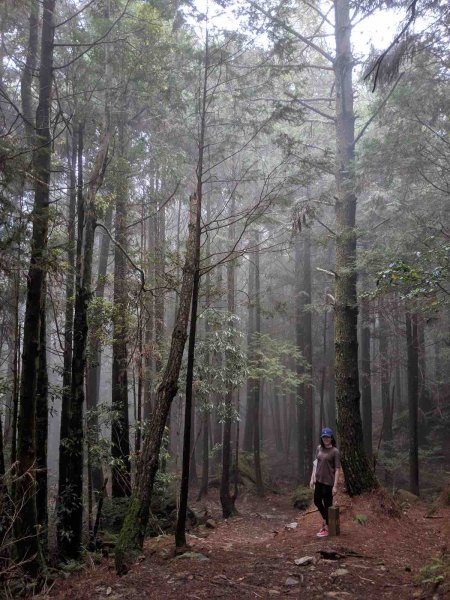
(325, 476)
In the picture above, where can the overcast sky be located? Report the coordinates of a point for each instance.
(378, 29)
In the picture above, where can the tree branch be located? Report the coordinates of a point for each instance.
(293, 32)
(127, 256)
(378, 110)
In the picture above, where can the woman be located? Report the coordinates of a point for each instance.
(325, 476)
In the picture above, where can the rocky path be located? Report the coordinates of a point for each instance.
(271, 551)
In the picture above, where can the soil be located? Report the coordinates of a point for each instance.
(379, 554)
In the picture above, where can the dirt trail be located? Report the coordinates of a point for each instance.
(252, 556)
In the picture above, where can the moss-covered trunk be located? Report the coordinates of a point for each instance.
(358, 472)
(131, 537)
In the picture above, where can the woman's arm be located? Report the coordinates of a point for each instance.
(336, 480)
(313, 475)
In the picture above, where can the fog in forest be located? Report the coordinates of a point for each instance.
(224, 227)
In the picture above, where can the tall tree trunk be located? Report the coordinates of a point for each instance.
(250, 408)
(306, 349)
(323, 373)
(331, 400)
(203, 491)
(160, 282)
(226, 499)
(15, 368)
(120, 434)
(257, 381)
(71, 489)
(70, 495)
(366, 381)
(424, 397)
(277, 421)
(413, 400)
(132, 535)
(76, 187)
(149, 313)
(27, 542)
(94, 367)
(180, 533)
(42, 427)
(385, 377)
(216, 416)
(300, 401)
(28, 73)
(358, 472)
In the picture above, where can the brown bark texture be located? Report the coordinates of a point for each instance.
(131, 537)
(27, 542)
(120, 435)
(358, 472)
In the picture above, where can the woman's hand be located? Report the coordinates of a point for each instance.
(312, 483)
(334, 490)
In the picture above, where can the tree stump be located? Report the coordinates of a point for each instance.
(334, 527)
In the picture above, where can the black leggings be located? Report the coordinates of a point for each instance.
(323, 498)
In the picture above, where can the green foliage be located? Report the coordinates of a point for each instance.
(436, 572)
(301, 497)
(113, 514)
(269, 365)
(220, 362)
(247, 469)
(424, 275)
(100, 314)
(73, 566)
(361, 519)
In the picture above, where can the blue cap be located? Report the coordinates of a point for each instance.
(326, 432)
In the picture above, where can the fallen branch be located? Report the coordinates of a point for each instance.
(310, 512)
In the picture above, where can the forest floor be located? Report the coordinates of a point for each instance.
(378, 555)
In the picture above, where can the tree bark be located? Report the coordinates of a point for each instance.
(71, 491)
(226, 499)
(250, 408)
(413, 400)
(358, 472)
(203, 490)
(42, 427)
(132, 534)
(94, 367)
(27, 541)
(75, 192)
(28, 72)
(300, 400)
(366, 381)
(385, 377)
(257, 381)
(120, 434)
(306, 349)
(180, 533)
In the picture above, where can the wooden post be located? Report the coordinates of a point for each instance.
(334, 527)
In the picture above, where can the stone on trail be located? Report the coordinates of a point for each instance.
(196, 555)
(291, 525)
(305, 560)
(339, 573)
(211, 524)
(291, 581)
